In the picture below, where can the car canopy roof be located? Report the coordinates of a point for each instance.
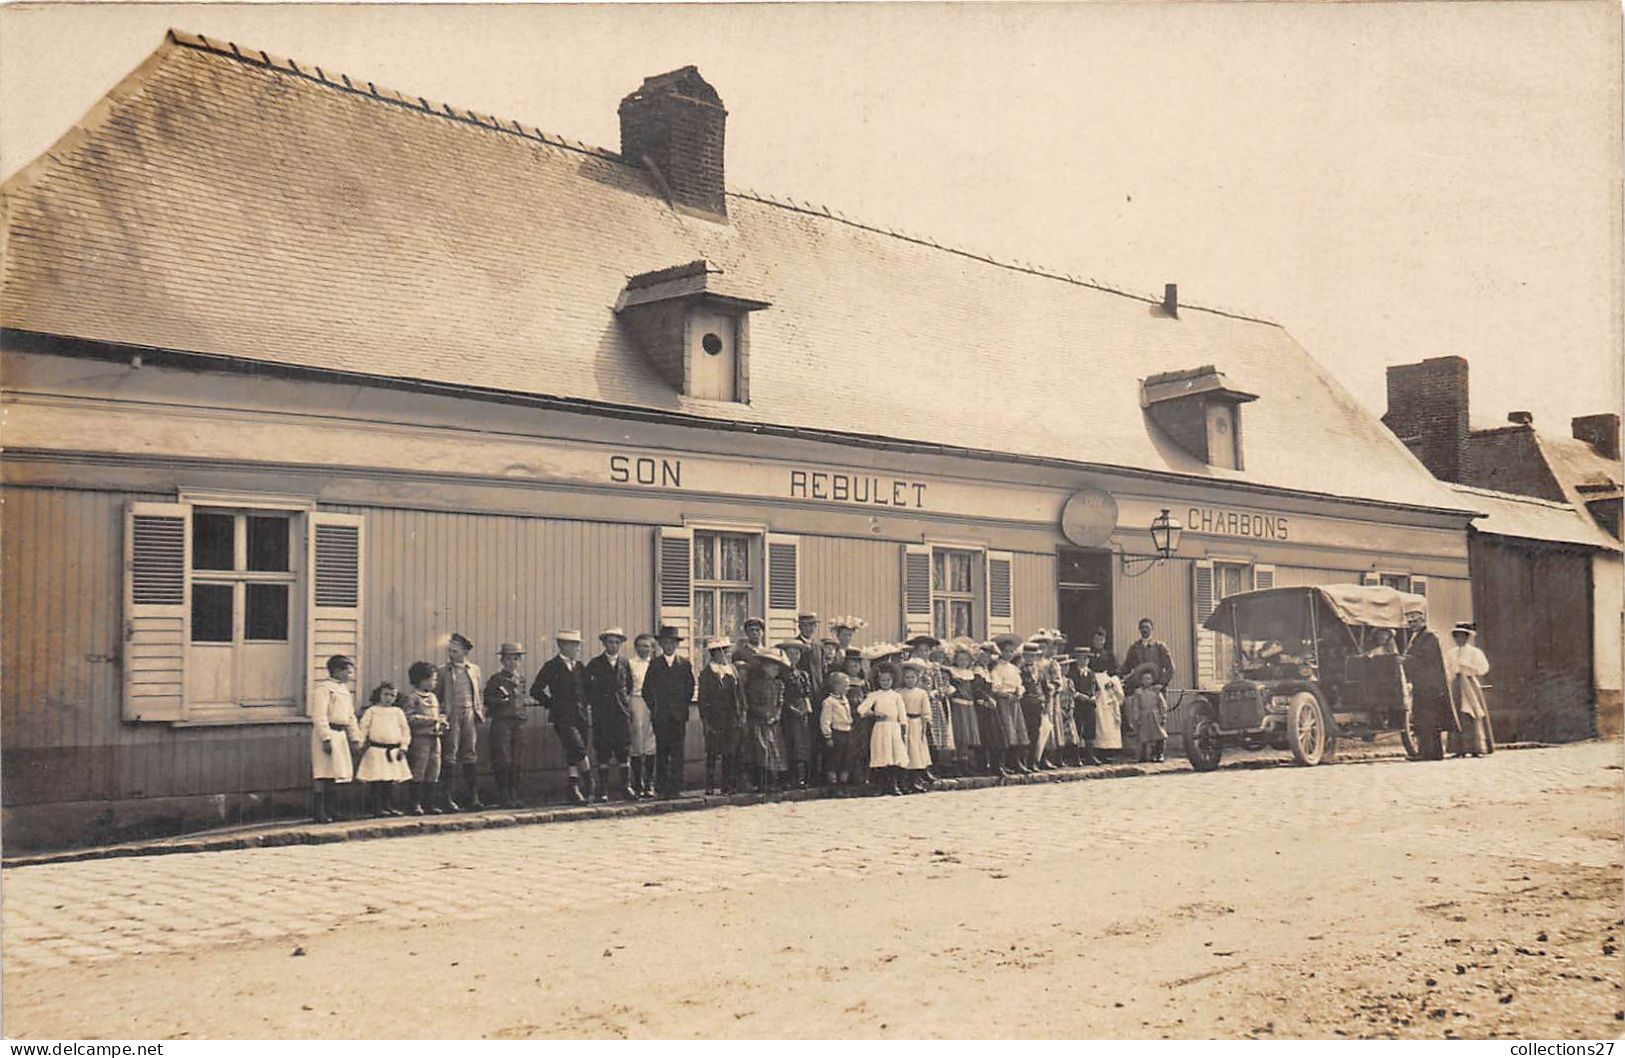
(1367, 605)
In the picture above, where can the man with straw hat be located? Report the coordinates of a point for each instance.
(607, 680)
(558, 689)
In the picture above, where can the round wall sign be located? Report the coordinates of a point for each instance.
(1089, 517)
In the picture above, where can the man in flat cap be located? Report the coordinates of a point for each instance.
(607, 679)
(461, 684)
(558, 689)
(668, 687)
(505, 702)
(755, 641)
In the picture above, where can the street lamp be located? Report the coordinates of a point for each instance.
(1165, 532)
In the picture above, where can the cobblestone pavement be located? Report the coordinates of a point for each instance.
(63, 914)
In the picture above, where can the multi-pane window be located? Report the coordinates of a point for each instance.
(953, 592)
(1229, 578)
(242, 608)
(1397, 581)
(723, 583)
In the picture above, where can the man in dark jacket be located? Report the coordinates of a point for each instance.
(812, 663)
(1150, 651)
(558, 689)
(505, 703)
(607, 679)
(668, 687)
(1433, 710)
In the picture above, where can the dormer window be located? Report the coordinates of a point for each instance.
(693, 327)
(1199, 411)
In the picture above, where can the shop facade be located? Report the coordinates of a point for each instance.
(601, 391)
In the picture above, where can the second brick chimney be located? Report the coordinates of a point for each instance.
(1600, 432)
(673, 124)
(1427, 409)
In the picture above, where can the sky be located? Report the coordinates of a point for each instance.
(1388, 181)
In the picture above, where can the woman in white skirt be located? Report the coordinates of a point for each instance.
(333, 731)
(642, 753)
(888, 750)
(385, 736)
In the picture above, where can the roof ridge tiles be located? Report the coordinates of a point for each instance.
(419, 103)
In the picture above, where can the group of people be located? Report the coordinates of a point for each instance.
(889, 716)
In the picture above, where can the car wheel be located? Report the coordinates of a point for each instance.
(1306, 729)
(1202, 743)
(1410, 739)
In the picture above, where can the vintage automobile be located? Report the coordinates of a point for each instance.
(1310, 665)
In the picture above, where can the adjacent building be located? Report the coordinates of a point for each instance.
(296, 365)
(1545, 557)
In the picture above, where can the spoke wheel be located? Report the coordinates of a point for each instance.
(1409, 738)
(1202, 744)
(1306, 729)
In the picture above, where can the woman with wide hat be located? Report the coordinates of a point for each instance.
(722, 712)
(764, 709)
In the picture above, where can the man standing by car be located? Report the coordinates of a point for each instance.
(1150, 651)
(1433, 712)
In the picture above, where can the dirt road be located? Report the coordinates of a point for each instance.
(1466, 898)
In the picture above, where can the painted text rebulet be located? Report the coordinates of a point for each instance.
(836, 487)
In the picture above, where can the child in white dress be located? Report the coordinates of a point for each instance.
(385, 736)
(888, 751)
(917, 707)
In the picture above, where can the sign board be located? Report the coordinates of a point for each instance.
(1089, 517)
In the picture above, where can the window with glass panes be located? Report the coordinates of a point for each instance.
(1229, 578)
(723, 584)
(243, 609)
(953, 592)
(1397, 581)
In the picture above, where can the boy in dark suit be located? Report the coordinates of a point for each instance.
(607, 680)
(668, 687)
(558, 689)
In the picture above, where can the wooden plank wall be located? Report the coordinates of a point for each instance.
(840, 575)
(1034, 603)
(60, 636)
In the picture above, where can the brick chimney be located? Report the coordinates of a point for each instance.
(673, 125)
(1600, 432)
(1427, 409)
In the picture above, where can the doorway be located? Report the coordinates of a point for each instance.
(1084, 581)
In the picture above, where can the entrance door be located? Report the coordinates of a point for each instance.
(1085, 585)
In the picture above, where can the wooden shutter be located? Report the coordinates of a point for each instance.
(1263, 577)
(1207, 643)
(1001, 613)
(157, 610)
(916, 590)
(337, 558)
(1370, 577)
(674, 584)
(783, 586)
(1419, 585)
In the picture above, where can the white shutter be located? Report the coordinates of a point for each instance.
(1263, 577)
(1207, 643)
(783, 586)
(1370, 577)
(674, 585)
(1000, 596)
(337, 558)
(157, 610)
(1419, 585)
(916, 590)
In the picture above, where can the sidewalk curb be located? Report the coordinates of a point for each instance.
(280, 834)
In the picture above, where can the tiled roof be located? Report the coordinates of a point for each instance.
(1530, 518)
(1577, 465)
(229, 202)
